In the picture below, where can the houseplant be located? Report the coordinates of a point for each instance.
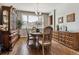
(19, 24)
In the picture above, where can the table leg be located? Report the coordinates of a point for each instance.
(37, 39)
(34, 41)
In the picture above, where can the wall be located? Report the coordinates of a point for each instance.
(46, 21)
(63, 10)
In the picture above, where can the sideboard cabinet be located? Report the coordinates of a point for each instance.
(69, 39)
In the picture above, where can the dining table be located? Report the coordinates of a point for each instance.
(36, 36)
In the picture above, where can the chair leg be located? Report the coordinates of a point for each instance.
(43, 49)
(27, 42)
(49, 49)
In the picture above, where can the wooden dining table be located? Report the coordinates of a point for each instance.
(36, 36)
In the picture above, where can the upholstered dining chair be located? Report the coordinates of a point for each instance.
(29, 37)
(46, 38)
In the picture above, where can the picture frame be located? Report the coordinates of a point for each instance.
(60, 20)
(71, 17)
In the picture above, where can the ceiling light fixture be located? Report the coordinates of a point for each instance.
(37, 11)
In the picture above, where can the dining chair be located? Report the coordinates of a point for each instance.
(29, 36)
(33, 29)
(46, 38)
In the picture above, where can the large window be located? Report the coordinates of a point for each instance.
(29, 20)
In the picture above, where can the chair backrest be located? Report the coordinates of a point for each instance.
(48, 33)
(33, 29)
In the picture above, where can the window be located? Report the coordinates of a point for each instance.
(29, 20)
(24, 19)
(32, 18)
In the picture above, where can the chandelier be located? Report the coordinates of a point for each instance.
(37, 11)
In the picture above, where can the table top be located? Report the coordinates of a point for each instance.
(36, 33)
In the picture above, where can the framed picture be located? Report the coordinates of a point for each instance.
(60, 20)
(50, 20)
(71, 17)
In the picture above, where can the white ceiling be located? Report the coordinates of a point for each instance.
(43, 7)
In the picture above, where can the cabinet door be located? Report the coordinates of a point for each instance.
(6, 41)
(0, 17)
(6, 17)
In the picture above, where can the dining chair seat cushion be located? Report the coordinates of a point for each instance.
(45, 43)
(31, 37)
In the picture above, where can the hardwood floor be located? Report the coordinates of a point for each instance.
(21, 48)
(59, 49)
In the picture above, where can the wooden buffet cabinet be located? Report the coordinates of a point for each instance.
(68, 39)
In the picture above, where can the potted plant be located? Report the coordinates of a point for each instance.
(19, 24)
(57, 27)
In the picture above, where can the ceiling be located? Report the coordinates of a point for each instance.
(43, 7)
